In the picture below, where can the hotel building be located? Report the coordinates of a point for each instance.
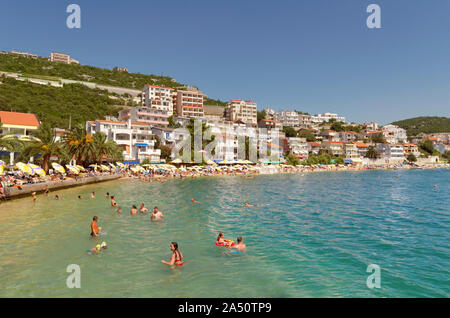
(151, 116)
(62, 58)
(18, 123)
(188, 103)
(136, 139)
(325, 117)
(288, 118)
(158, 97)
(245, 111)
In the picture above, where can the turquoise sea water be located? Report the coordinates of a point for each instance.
(310, 236)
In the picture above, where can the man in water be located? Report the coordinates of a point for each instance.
(134, 210)
(193, 201)
(93, 195)
(113, 201)
(248, 204)
(79, 197)
(33, 195)
(240, 246)
(56, 197)
(46, 190)
(95, 229)
(157, 214)
(119, 210)
(107, 195)
(143, 209)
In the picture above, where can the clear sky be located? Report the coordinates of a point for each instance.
(311, 55)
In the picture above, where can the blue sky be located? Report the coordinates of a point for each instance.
(310, 55)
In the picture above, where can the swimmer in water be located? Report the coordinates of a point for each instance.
(156, 214)
(80, 198)
(221, 241)
(435, 186)
(56, 197)
(143, 209)
(98, 248)
(177, 257)
(193, 201)
(248, 204)
(46, 190)
(240, 246)
(113, 201)
(95, 229)
(33, 195)
(107, 195)
(119, 210)
(134, 210)
(93, 195)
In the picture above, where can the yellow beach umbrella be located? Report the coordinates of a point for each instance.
(178, 160)
(24, 168)
(224, 162)
(120, 164)
(112, 165)
(95, 166)
(104, 168)
(81, 168)
(2, 170)
(37, 170)
(58, 167)
(73, 169)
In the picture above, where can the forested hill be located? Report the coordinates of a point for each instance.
(426, 125)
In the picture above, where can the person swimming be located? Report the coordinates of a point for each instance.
(93, 195)
(80, 198)
(113, 201)
(134, 210)
(247, 204)
(95, 229)
(193, 201)
(177, 257)
(119, 210)
(222, 242)
(46, 190)
(33, 195)
(240, 246)
(107, 195)
(143, 209)
(156, 214)
(56, 197)
(98, 248)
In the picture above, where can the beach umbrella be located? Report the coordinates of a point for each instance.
(73, 169)
(178, 160)
(80, 168)
(120, 164)
(58, 167)
(2, 169)
(112, 165)
(24, 168)
(104, 168)
(95, 166)
(224, 162)
(37, 170)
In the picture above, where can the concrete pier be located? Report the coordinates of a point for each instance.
(27, 189)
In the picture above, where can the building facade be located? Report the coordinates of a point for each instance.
(245, 111)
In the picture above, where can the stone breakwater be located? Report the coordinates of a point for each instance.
(27, 189)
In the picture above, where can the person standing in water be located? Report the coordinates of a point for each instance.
(113, 201)
(93, 195)
(95, 229)
(156, 214)
(240, 246)
(46, 190)
(134, 210)
(177, 257)
(143, 209)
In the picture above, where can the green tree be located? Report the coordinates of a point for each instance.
(411, 157)
(308, 135)
(292, 160)
(378, 138)
(372, 153)
(427, 146)
(289, 131)
(260, 115)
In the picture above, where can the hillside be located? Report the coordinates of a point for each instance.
(55, 105)
(43, 67)
(417, 125)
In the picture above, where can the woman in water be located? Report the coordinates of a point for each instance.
(177, 257)
(134, 210)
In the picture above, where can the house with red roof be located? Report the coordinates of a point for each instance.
(18, 123)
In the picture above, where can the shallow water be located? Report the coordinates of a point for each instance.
(310, 236)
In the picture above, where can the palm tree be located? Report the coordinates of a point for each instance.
(79, 144)
(9, 142)
(44, 144)
(372, 153)
(103, 147)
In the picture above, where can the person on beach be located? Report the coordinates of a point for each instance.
(240, 246)
(247, 204)
(134, 210)
(113, 201)
(93, 195)
(95, 229)
(98, 248)
(156, 214)
(143, 209)
(193, 201)
(177, 257)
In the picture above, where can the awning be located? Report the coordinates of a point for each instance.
(131, 162)
(348, 161)
(141, 145)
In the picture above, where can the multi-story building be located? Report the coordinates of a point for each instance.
(18, 123)
(168, 136)
(288, 118)
(135, 138)
(347, 136)
(325, 117)
(362, 148)
(330, 135)
(245, 111)
(158, 97)
(350, 150)
(270, 124)
(409, 148)
(120, 69)
(370, 126)
(391, 151)
(269, 113)
(298, 146)
(398, 134)
(24, 54)
(336, 148)
(314, 147)
(62, 58)
(151, 116)
(305, 121)
(188, 103)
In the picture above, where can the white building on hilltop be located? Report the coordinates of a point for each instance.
(245, 111)
(158, 97)
(398, 134)
(320, 118)
(288, 118)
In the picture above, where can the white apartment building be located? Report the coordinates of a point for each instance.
(158, 97)
(269, 113)
(350, 150)
(320, 118)
(305, 121)
(398, 135)
(298, 146)
(135, 138)
(288, 118)
(391, 151)
(151, 116)
(245, 111)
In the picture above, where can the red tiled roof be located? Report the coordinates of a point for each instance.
(313, 144)
(112, 122)
(361, 145)
(22, 119)
(159, 86)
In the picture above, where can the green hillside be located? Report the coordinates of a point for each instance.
(417, 125)
(55, 105)
(43, 67)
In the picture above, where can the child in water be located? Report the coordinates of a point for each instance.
(98, 248)
(177, 257)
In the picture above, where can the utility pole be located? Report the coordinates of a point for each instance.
(70, 121)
